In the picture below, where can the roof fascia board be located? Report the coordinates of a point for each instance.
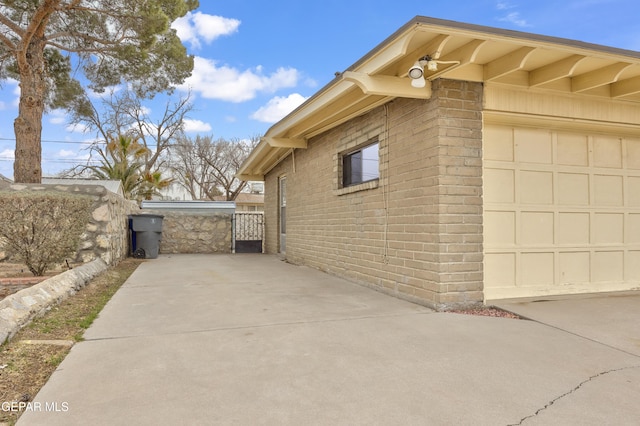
(286, 142)
(258, 153)
(498, 34)
(321, 99)
(387, 86)
(250, 178)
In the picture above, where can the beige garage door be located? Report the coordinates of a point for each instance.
(561, 212)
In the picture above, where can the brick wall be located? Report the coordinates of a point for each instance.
(415, 233)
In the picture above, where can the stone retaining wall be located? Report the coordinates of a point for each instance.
(18, 309)
(106, 235)
(189, 232)
(15, 284)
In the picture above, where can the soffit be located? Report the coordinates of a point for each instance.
(465, 52)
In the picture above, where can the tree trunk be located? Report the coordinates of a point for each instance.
(27, 166)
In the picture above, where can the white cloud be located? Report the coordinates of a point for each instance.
(194, 27)
(511, 17)
(196, 126)
(278, 107)
(503, 5)
(57, 116)
(230, 84)
(514, 18)
(6, 87)
(65, 153)
(7, 154)
(78, 128)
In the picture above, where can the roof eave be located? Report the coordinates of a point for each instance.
(380, 76)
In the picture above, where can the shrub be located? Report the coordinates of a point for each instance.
(42, 228)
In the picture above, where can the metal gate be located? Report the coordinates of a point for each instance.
(248, 232)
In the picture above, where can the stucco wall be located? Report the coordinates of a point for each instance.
(106, 235)
(417, 232)
(188, 232)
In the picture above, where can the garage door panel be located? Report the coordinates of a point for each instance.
(537, 228)
(607, 152)
(574, 228)
(632, 264)
(500, 186)
(608, 266)
(500, 269)
(633, 191)
(498, 143)
(500, 228)
(537, 269)
(633, 154)
(562, 213)
(573, 150)
(536, 187)
(573, 189)
(632, 229)
(608, 228)
(574, 267)
(608, 190)
(533, 146)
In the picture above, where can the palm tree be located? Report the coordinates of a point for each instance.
(122, 159)
(150, 184)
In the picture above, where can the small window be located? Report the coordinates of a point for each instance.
(361, 165)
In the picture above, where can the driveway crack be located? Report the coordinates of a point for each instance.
(575, 389)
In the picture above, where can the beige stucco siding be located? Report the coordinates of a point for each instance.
(417, 231)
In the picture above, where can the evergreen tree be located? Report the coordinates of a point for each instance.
(110, 41)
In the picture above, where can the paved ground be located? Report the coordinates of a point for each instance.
(249, 339)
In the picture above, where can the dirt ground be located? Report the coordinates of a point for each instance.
(11, 270)
(19, 270)
(27, 361)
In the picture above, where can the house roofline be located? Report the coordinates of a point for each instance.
(371, 74)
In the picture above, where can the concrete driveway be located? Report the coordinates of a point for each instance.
(612, 319)
(249, 339)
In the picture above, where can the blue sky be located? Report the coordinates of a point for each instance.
(257, 60)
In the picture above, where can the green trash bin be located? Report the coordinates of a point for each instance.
(146, 235)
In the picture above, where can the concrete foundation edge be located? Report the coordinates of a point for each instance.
(18, 309)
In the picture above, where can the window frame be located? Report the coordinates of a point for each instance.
(346, 167)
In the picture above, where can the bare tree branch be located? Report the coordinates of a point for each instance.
(207, 167)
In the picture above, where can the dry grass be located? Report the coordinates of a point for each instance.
(25, 364)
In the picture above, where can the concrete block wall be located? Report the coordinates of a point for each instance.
(415, 233)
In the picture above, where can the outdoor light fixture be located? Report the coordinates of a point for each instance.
(418, 82)
(416, 72)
